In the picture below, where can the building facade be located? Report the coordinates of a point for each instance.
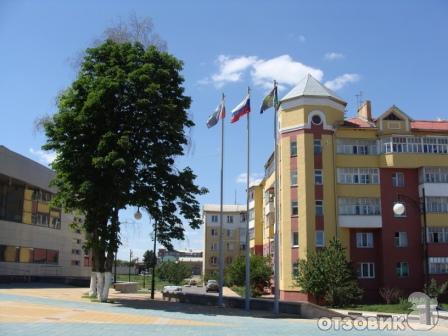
(36, 240)
(256, 217)
(234, 236)
(341, 178)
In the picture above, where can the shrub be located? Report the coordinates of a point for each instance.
(433, 290)
(390, 295)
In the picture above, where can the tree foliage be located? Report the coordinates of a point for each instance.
(260, 272)
(117, 132)
(173, 272)
(149, 259)
(434, 290)
(327, 275)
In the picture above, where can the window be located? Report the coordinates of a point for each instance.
(437, 235)
(40, 219)
(229, 219)
(214, 219)
(316, 119)
(364, 239)
(317, 146)
(293, 148)
(76, 251)
(251, 214)
(356, 146)
(398, 180)
(229, 260)
(319, 208)
(294, 208)
(402, 269)
(401, 239)
(52, 257)
(295, 239)
(213, 260)
(358, 206)
(294, 177)
(229, 233)
(438, 265)
(243, 217)
(434, 175)
(39, 256)
(87, 261)
(214, 232)
(75, 263)
(214, 247)
(366, 270)
(358, 175)
(437, 204)
(425, 144)
(295, 269)
(252, 233)
(320, 240)
(25, 255)
(28, 255)
(242, 247)
(230, 246)
(318, 176)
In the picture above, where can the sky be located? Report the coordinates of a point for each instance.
(393, 52)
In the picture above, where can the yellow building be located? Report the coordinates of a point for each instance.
(341, 177)
(256, 217)
(234, 236)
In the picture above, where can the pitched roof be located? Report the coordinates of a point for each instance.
(311, 87)
(429, 125)
(358, 123)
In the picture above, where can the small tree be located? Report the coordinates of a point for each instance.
(174, 272)
(149, 259)
(433, 290)
(260, 273)
(390, 295)
(327, 275)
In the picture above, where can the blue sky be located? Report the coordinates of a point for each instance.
(395, 52)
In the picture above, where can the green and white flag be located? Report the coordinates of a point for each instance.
(270, 100)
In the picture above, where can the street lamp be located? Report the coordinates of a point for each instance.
(399, 209)
(138, 216)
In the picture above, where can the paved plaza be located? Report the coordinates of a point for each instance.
(56, 310)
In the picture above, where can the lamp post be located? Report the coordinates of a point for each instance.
(138, 216)
(399, 209)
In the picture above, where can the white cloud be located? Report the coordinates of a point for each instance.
(231, 69)
(340, 81)
(283, 69)
(254, 177)
(43, 157)
(331, 56)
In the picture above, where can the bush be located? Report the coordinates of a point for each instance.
(173, 272)
(327, 275)
(260, 273)
(390, 295)
(433, 290)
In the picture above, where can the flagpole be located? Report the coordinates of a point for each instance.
(221, 206)
(247, 282)
(277, 222)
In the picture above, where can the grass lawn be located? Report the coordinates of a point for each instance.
(396, 308)
(444, 306)
(146, 280)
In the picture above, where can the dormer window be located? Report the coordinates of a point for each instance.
(316, 119)
(392, 116)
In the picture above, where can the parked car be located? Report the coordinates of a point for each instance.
(212, 286)
(172, 290)
(192, 282)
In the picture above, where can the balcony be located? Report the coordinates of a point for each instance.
(433, 189)
(269, 208)
(360, 222)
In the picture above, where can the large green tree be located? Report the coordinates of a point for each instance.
(260, 273)
(327, 275)
(117, 132)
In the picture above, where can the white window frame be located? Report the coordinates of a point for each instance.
(358, 175)
(293, 148)
(295, 234)
(293, 177)
(319, 204)
(398, 180)
(214, 218)
(370, 274)
(320, 238)
(401, 240)
(364, 239)
(229, 219)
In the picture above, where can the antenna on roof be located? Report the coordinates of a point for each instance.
(359, 100)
